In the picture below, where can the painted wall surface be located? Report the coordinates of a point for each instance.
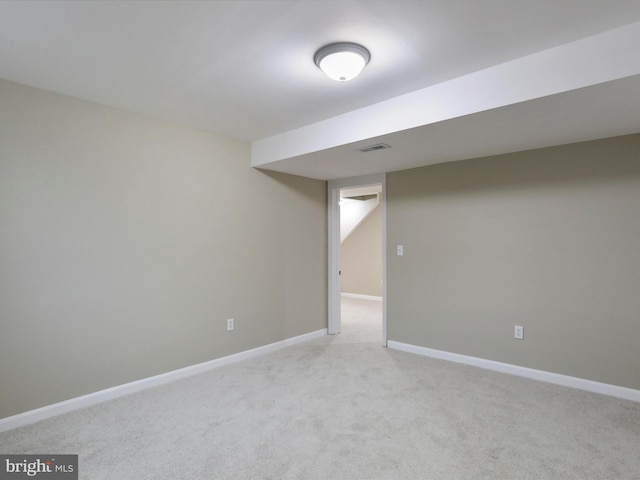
(126, 243)
(548, 239)
(352, 214)
(361, 257)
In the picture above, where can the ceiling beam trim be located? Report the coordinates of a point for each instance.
(590, 61)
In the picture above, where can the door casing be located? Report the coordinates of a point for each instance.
(333, 202)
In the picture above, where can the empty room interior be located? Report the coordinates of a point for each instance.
(227, 252)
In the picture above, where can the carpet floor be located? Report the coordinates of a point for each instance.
(344, 407)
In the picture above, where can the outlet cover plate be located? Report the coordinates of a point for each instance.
(518, 332)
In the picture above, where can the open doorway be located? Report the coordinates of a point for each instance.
(357, 266)
(361, 263)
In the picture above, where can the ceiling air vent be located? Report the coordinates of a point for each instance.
(377, 146)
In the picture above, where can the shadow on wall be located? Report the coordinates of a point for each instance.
(301, 185)
(602, 160)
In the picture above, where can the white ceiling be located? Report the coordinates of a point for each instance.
(245, 69)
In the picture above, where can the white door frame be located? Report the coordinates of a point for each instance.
(333, 199)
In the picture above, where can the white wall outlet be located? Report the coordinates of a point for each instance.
(400, 250)
(518, 332)
(230, 324)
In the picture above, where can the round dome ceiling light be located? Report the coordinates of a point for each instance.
(342, 61)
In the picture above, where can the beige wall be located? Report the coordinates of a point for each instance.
(361, 257)
(548, 239)
(126, 243)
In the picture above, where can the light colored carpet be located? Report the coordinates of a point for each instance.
(343, 407)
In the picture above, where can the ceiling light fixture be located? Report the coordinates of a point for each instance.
(342, 61)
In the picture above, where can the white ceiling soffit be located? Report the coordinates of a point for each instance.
(583, 90)
(361, 191)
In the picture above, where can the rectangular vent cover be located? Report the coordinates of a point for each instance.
(372, 148)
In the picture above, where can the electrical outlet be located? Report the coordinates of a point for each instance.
(518, 332)
(230, 324)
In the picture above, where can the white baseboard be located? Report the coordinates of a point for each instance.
(361, 297)
(558, 379)
(77, 403)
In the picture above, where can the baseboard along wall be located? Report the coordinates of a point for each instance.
(361, 297)
(549, 377)
(84, 401)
